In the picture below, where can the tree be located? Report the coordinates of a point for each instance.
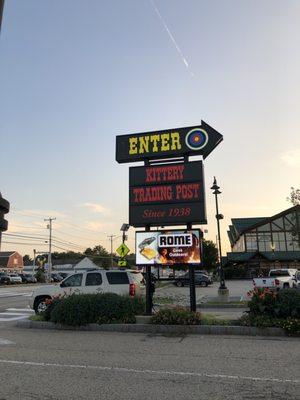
(99, 255)
(295, 200)
(210, 254)
(27, 260)
(294, 196)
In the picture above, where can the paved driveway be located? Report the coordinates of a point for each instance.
(181, 295)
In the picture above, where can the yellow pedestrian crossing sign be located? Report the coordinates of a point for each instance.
(122, 263)
(122, 250)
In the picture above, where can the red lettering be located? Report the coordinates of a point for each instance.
(164, 174)
(153, 214)
(188, 191)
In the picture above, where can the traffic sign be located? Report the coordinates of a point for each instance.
(122, 250)
(122, 263)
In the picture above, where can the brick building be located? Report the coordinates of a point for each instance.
(10, 261)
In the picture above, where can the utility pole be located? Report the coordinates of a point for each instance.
(33, 264)
(1, 11)
(111, 238)
(49, 226)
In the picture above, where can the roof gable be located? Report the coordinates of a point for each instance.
(7, 253)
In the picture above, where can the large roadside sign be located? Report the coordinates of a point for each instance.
(192, 140)
(168, 194)
(168, 247)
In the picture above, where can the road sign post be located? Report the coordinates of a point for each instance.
(163, 193)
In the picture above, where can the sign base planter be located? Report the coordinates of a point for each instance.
(223, 295)
(159, 329)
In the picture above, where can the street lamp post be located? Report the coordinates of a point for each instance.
(222, 288)
(273, 246)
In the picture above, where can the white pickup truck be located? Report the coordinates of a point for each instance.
(92, 281)
(277, 279)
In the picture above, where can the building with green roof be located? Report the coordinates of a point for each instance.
(262, 243)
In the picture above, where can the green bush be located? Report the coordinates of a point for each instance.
(176, 316)
(83, 309)
(282, 304)
(290, 325)
(259, 321)
(288, 303)
(51, 303)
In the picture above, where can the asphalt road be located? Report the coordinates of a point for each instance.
(40, 364)
(14, 296)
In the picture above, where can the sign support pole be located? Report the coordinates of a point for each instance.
(192, 282)
(148, 285)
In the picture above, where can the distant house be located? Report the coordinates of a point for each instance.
(11, 260)
(85, 264)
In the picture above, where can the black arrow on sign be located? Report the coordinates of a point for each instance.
(214, 138)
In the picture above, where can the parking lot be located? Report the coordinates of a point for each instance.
(181, 295)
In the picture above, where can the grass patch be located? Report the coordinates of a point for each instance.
(219, 303)
(163, 300)
(210, 319)
(36, 318)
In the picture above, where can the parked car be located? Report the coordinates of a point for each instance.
(200, 279)
(55, 277)
(153, 277)
(284, 278)
(94, 281)
(27, 278)
(14, 278)
(297, 276)
(63, 274)
(4, 278)
(206, 274)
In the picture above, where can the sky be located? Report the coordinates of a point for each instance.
(74, 74)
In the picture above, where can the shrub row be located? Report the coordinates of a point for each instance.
(282, 304)
(83, 309)
(176, 316)
(270, 308)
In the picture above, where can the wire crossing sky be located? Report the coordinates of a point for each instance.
(164, 24)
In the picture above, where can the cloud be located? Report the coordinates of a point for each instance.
(291, 158)
(94, 226)
(97, 208)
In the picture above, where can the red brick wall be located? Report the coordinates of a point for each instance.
(15, 261)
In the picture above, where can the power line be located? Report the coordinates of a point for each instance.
(25, 236)
(25, 243)
(56, 239)
(61, 248)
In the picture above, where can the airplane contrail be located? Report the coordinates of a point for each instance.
(172, 37)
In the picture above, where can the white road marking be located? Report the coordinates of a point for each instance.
(5, 342)
(14, 314)
(14, 294)
(148, 371)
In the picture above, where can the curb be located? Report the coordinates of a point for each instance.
(156, 329)
(238, 306)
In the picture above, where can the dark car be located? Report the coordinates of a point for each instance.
(64, 274)
(153, 277)
(200, 279)
(4, 278)
(56, 277)
(206, 274)
(27, 278)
